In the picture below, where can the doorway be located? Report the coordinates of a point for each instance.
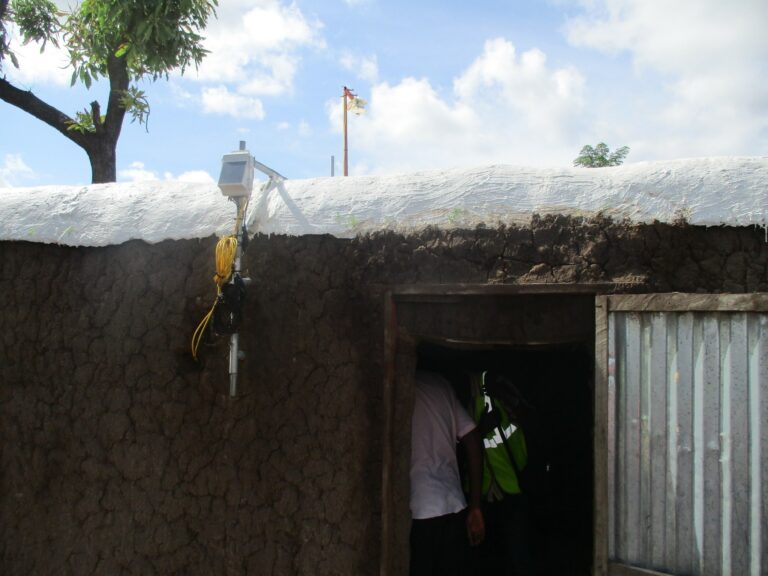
(555, 382)
(543, 338)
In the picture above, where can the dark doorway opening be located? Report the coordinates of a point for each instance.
(556, 380)
(541, 335)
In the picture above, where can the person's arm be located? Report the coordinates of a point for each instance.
(474, 451)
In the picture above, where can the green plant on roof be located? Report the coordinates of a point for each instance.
(600, 156)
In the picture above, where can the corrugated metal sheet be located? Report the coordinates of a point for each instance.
(688, 441)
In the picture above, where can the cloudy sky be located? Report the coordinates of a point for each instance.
(449, 84)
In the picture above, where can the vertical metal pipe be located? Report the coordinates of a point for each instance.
(234, 342)
(234, 339)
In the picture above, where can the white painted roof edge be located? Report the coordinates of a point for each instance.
(704, 191)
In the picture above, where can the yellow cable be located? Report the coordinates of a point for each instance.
(199, 331)
(226, 252)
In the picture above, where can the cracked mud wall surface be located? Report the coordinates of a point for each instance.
(120, 455)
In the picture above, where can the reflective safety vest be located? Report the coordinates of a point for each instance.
(496, 464)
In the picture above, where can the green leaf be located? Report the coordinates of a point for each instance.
(37, 20)
(136, 104)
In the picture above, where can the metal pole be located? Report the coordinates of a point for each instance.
(346, 161)
(333, 168)
(234, 345)
(234, 339)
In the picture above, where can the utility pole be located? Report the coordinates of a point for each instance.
(351, 104)
(346, 151)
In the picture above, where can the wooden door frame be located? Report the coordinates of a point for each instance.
(394, 334)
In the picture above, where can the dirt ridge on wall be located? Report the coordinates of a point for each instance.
(562, 249)
(121, 455)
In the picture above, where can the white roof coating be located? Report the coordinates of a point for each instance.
(704, 191)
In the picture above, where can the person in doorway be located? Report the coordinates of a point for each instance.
(442, 523)
(500, 413)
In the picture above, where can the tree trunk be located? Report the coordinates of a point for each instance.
(103, 159)
(103, 152)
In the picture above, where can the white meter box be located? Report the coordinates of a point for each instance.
(236, 178)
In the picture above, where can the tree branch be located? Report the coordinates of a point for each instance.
(28, 102)
(96, 116)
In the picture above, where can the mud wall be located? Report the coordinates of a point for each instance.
(120, 455)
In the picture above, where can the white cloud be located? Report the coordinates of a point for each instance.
(504, 108)
(50, 66)
(137, 172)
(275, 80)
(36, 67)
(193, 176)
(302, 128)
(180, 95)
(256, 45)
(14, 170)
(714, 56)
(364, 67)
(500, 82)
(220, 100)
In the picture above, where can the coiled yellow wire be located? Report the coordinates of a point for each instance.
(226, 251)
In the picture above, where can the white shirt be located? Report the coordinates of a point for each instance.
(439, 421)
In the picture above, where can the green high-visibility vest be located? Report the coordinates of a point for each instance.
(496, 455)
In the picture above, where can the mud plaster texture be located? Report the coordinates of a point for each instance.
(120, 455)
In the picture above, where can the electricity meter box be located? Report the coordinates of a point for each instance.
(236, 178)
